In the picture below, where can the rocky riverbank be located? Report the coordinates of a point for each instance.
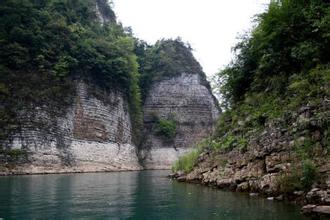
(315, 202)
(288, 159)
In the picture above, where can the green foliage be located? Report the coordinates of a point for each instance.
(281, 66)
(46, 45)
(14, 154)
(309, 87)
(135, 100)
(165, 128)
(289, 182)
(291, 37)
(167, 58)
(187, 162)
(228, 142)
(309, 174)
(300, 178)
(304, 148)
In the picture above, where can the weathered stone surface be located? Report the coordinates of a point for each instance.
(316, 210)
(272, 155)
(317, 196)
(185, 99)
(94, 135)
(103, 14)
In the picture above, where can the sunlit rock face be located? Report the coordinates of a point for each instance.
(94, 135)
(186, 100)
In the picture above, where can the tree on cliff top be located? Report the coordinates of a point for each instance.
(167, 58)
(45, 45)
(291, 37)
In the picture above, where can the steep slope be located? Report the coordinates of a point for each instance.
(179, 96)
(67, 94)
(273, 137)
(70, 94)
(93, 135)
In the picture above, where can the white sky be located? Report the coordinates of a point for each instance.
(210, 26)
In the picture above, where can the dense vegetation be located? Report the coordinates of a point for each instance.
(281, 66)
(46, 45)
(292, 38)
(167, 58)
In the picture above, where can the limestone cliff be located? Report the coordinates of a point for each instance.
(73, 103)
(94, 135)
(179, 107)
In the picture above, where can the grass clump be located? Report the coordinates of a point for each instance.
(187, 162)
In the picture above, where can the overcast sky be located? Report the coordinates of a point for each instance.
(210, 26)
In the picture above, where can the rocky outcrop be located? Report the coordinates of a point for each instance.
(186, 100)
(273, 162)
(65, 122)
(103, 13)
(94, 135)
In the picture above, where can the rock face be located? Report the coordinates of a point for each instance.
(94, 135)
(190, 104)
(270, 163)
(103, 13)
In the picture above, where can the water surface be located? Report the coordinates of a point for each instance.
(129, 195)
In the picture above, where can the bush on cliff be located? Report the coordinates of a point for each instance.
(299, 178)
(165, 128)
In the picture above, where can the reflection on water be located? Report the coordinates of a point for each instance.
(128, 195)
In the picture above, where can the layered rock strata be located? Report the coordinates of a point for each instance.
(93, 135)
(190, 104)
(271, 156)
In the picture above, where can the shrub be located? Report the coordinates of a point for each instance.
(187, 162)
(289, 182)
(300, 178)
(14, 154)
(309, 174)
(165, 128)
(304, 148)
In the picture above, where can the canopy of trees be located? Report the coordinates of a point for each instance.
(292, 37)
(167, 58)
(46, 44)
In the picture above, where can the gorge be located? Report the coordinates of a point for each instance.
(80, 93)
(93, 131)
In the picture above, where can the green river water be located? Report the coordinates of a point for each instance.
(129, 195)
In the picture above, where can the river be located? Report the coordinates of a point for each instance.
(129, 195)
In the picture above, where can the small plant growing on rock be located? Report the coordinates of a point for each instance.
(309, 174)
(187, 162)
(165, 128)
(300, 178)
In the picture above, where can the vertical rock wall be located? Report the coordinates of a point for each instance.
(189, 102)
(94, 135)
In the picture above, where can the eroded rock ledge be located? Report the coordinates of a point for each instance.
(270, 157)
